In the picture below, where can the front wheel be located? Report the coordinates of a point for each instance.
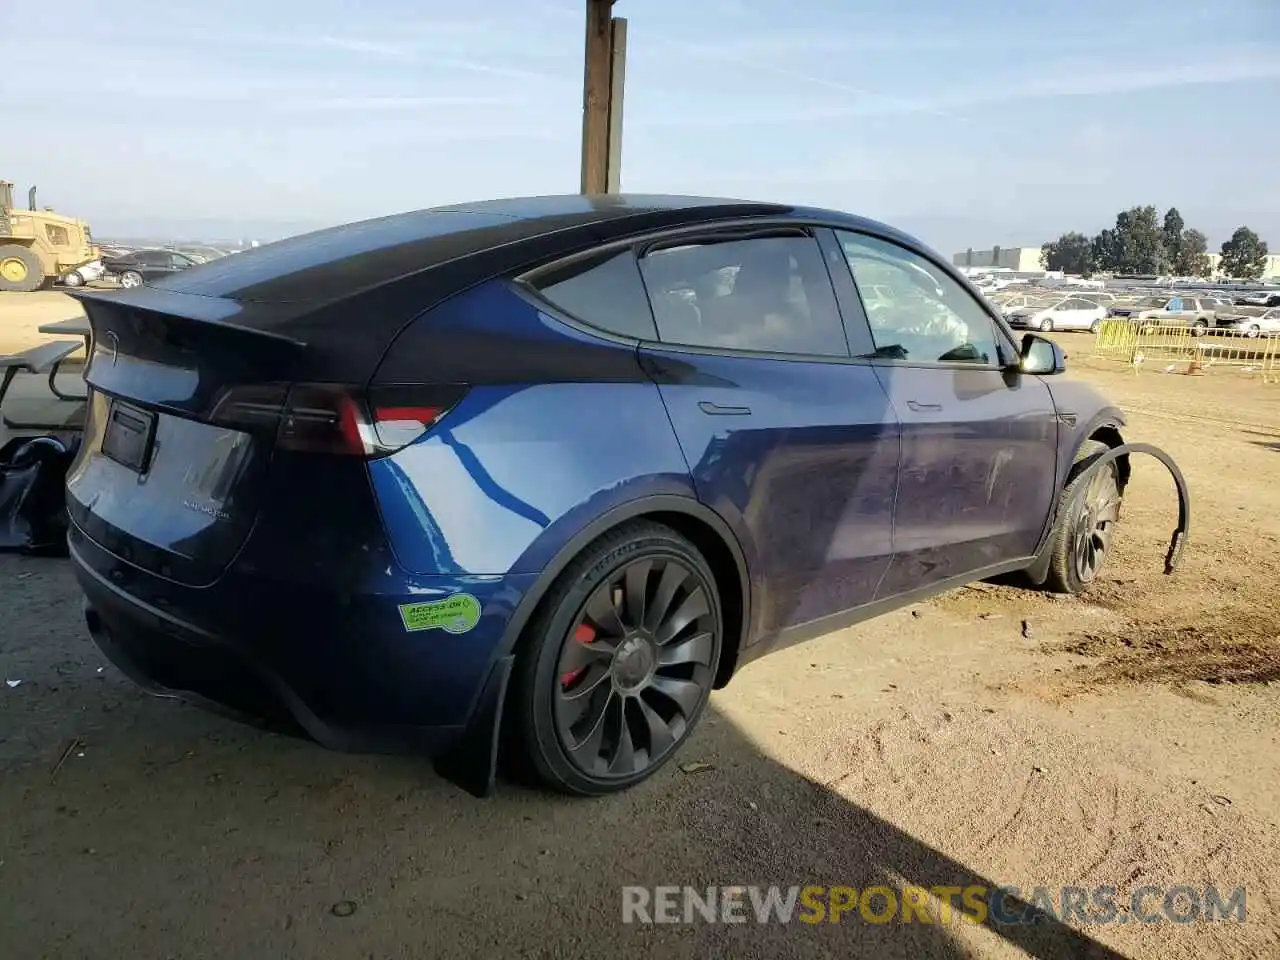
(1046, 325)
(1095, 327)
(1199, 327)
(1253, 330)
(130, 279)
(20, 269)
(73, 279)
(1088, 512)
(620, 664)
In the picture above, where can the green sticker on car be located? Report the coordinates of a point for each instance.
(456, 614)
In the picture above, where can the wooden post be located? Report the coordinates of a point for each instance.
(617, 84)
(597, 92)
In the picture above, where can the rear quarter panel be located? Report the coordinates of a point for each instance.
(558, 428)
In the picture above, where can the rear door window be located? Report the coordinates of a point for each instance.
(768, 294)
(603, 290)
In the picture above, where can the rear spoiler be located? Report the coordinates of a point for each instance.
(182, 306)
(182, 352)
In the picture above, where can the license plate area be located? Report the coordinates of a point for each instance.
(129, 435)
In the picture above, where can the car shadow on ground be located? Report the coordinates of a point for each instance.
(135, 825)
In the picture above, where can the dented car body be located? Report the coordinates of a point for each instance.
(552, 469)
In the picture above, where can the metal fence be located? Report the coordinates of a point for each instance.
(1142, 345)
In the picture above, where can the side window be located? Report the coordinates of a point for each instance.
(770, 294)
(919, 312)
(604, 291)
(57, 235)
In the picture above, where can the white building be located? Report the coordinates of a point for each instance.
(1018, 259)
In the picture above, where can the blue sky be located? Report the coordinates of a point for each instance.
(967, 123)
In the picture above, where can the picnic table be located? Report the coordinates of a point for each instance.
(47, 358)
(72, 326)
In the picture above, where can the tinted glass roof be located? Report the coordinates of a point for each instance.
(339, 261)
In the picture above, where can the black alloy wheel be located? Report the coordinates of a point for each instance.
(1088, 512)
(1095, 523)
(624, 661)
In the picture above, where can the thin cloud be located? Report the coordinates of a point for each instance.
(880, 102)
(1073, 79)
(375, 48)
(396, 102)
(479, 66)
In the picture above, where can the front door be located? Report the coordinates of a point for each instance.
(786, 438)
(979, 442)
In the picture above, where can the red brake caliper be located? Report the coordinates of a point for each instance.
(584, 634)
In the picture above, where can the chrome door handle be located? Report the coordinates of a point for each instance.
(924, 407)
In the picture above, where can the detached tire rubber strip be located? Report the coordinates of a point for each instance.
(472, 762)
(1179, 539)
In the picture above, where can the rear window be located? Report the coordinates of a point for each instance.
(604, 290)
(339, 261)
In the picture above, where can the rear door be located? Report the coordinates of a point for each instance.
(790, 441)
(979, 441)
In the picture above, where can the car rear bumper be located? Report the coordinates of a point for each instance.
(348, 688)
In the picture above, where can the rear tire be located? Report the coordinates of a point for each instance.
(1088, 512)
(1200, 326)
(20, 269)
(73, 279)
(1095, 327)
(620, 662)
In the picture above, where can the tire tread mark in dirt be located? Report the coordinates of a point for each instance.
(1014, 817)
(1109, 847)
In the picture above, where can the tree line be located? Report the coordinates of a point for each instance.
(1140, 243)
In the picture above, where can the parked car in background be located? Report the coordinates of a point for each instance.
(1008, 304)
(1063, 313)
(1264, 298)
(558, 467)
(1198, 312)
(202, 254)
(1266, 323)
(85, 273)
(143, 266)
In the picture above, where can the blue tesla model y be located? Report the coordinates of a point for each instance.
(540, 474)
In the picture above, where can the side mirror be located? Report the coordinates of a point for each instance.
(1041, 355)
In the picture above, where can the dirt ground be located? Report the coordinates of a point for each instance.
(993, 736)
(22, 313)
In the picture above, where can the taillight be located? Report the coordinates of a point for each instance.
(336, 418)
(324, 418)
(401, 413)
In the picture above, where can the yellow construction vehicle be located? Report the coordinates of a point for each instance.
(39, 246)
